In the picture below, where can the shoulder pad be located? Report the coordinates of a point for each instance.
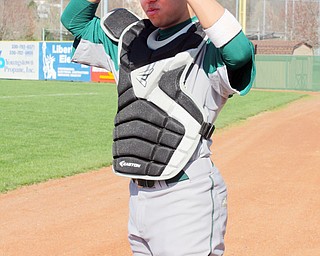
(116, 21)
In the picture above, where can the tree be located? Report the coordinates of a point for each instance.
(265, 18)
(17, 21)
(302, 22)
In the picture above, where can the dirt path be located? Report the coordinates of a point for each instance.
(271, 164)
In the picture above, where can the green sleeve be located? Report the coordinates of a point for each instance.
(237, 52)
(238, 56)
(79, 18)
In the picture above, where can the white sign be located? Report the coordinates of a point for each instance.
(19, 60)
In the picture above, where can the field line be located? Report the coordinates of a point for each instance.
(48, 95)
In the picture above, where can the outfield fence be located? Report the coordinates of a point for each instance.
(52, 61)
(288, 72)
(45, 61)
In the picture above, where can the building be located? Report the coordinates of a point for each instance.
(282, 47)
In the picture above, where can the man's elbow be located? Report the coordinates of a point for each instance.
(65, 21)
(243, 56)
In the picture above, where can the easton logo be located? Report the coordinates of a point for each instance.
(125, 164)
(143, 77)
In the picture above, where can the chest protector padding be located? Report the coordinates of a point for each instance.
(145, 136)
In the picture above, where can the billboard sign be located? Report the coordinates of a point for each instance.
(19, 60)
(55, 63)
(101, 75)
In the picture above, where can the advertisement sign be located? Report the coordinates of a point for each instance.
(19, 60)
(55, 63)
(101, 75)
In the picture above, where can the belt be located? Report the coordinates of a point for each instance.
(150, 183)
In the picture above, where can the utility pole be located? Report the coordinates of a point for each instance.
(264, 19)
(292, 25)
(286, 20)
(61, 9)
(237, 10)
(105, 7)
(243, 14)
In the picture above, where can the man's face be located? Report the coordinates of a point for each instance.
(165, 13)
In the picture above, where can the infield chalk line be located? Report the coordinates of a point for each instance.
(48, 95)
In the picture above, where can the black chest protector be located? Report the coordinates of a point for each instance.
(158, 126)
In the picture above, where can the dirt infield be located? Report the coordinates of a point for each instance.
(271, 164)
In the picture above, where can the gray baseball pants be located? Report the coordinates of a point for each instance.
(180, 219)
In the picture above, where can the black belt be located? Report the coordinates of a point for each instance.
(150, 183)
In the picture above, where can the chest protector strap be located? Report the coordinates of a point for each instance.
(158, 125)
(116, 21)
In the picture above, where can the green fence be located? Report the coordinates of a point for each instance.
(288, 72)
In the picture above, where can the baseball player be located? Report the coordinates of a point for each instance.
(174, 71)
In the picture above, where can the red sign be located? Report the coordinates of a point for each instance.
(101, 75)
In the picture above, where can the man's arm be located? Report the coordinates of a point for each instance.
(226, 34)
(207, 11)
(219, 24)
(79, 18)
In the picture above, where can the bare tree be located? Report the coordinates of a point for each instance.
(48, 13)
(18, 20)
(265, 18)
(302, 22)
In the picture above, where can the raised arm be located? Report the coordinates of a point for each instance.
(207, 11)
(79, 17)
(93, 46)
(226, 34)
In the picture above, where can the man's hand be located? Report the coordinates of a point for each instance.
(94, 1)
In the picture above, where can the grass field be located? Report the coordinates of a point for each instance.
(56, 129)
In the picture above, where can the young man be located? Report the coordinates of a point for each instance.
(174, 72)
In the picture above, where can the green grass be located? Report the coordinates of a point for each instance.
(53, 129)
(238, 109)
(57, 129)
